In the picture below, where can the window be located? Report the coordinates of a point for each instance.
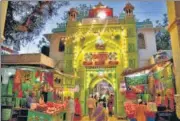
(141, 41)
(61, 46)
(45, 50)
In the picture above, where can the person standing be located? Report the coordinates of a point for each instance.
(30, 99)
(110, 105)
(100, 113)
(91, 104)
(96, 100)
(77, 110)
(140, 111)
(70, 109)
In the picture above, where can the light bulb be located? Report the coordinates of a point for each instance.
(101, 15)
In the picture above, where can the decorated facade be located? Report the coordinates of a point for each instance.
(99, 47)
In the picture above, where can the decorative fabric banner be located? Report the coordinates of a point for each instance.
(17, 78)
(136, 80)
(49, 78)
(58, 80)
(39, 75)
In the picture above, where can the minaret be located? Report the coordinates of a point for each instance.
(72, 14)
(129, 9)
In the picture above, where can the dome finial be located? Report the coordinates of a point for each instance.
(100, 5)
(129, 9)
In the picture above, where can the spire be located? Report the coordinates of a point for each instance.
(129, 9)
(100, 5)
(73, 14)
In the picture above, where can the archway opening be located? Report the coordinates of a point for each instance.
(101, 88)
(103, 91)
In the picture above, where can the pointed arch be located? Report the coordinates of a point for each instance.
(97, 80)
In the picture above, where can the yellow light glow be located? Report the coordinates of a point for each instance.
(80, 24)
(94, 21)
(102, 15)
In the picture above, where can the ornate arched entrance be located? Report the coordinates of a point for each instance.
(97, 75)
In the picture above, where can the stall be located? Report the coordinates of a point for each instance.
(154, 85)
(23, 77)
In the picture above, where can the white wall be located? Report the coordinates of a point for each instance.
(150, 41)
(57, 56)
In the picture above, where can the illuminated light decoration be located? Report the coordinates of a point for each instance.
(94, 21)
(84, 66)
(80, 24)
(100, 44)
(101, 15)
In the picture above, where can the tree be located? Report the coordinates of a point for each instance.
(25, 20)
(43, 42)
(163, 37)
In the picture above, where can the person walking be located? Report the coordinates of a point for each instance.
(100, 113)
(77, 110)
(96, 99)
(91, 104)
(70, 109)
(110, 105)
(140, 111)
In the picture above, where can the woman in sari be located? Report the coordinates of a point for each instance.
(77, 116)
(100, 113)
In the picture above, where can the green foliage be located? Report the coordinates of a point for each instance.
(163, 40)
(163, 37)
(23, 12)
(43, 42)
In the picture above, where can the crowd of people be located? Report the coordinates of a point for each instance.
(97, 107)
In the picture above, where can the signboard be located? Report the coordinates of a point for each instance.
(100, 59)
(137, 80)
(136, 83)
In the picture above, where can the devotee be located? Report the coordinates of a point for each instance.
(96, 99)
(158, 100)
(30, 99)
(140, 111)
(41, 99)
(103, 99)
(100, 113)
(77, 110)
(110, 105)
(91, 104)
(70, 109)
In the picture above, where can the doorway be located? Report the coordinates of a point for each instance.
(102, 90)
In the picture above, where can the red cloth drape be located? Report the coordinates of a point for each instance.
(49, 78)
(17, 81)
(77, 107)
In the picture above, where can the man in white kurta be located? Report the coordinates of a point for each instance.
(70, 109)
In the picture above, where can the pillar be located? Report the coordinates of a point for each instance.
(3, 11)
(174, 29)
